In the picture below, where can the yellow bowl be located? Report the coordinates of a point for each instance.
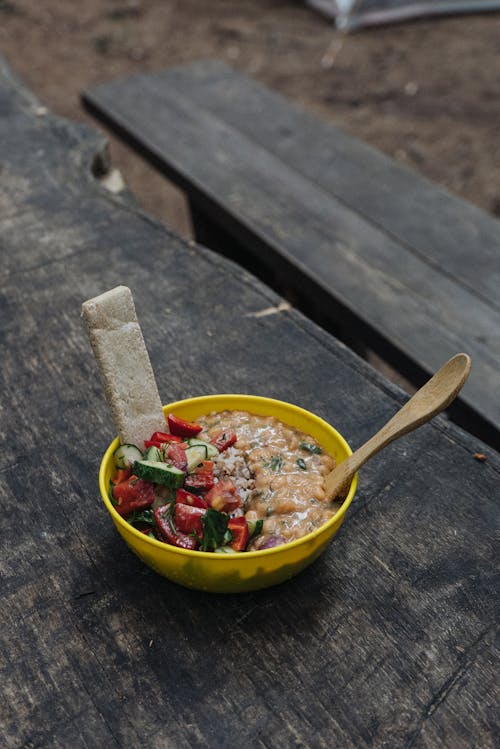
(245, 571)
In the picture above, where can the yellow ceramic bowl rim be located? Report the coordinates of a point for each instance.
(118, 519)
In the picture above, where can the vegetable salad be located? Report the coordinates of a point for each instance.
(169, 492)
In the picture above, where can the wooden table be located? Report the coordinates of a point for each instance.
(386, 641)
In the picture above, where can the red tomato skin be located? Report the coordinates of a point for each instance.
(198, 482)
(188, 519)
(223, 496)
(182, 428)
(122, 475)
(133, 494)
(239, 529)
(224, 439)
(176, 455)
(174, 538)
(183, 497)
(160, 439)
(202, 477)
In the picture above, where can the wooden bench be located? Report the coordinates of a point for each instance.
(370, 250)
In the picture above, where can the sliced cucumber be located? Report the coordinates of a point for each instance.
(159, 473)
(212, 451)
(194, 455)
(154, 454)
(125, 455)
(254, 528)
(224, 550)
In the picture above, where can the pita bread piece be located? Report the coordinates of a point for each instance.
(129, 382)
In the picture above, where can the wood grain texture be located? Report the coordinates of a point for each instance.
(387, 640)
(350, 234)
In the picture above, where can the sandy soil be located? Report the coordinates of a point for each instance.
(425, 92)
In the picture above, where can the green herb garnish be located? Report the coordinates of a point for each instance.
(141, 516)
(314, 449)
(275, 464)
(301, 464)
(215, 530)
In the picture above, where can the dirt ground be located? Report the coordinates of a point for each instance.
(425, 92)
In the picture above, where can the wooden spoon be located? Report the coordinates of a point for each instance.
(432, 398)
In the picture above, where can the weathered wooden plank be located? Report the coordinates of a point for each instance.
(446, 231)
(379, 254)
(378, 644)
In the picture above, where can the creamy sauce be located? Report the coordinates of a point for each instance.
(282, 482)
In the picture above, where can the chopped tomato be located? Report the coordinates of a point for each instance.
(182, 428)
(183, 497)
(133, 494)
(157, 439)
(224, 439)
(239, 529)
(202, 477)
(176, 454)
(188, 519)
(122, 475)
(223, 496)
(169, 532)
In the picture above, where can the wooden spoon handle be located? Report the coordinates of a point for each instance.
(432, 398)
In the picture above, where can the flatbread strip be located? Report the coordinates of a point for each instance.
(124, 365)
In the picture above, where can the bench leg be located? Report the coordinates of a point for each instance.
(210, 234)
